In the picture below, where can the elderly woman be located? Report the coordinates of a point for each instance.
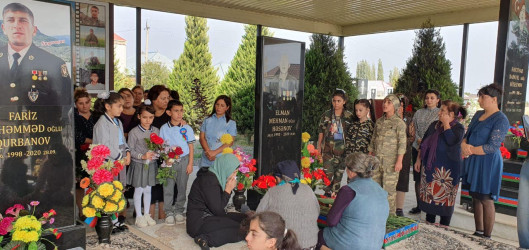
(207, 221)
(286, 198)
(483, 164)
(440, 157)
(357, 219)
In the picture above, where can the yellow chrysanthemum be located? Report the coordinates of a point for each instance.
(116, 197)
(305, 162)
(97, 202)
(25, 236)
(118, 185)
(106, 189)
(110, 207)
(86, 199)
(309, 181)
(27, 223)
(305, 137)
(121, 204)
(226, 139)
(89, 212)
(227, 151)
(303, 181)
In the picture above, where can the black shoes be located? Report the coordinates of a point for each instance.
(202, 243)
(414, 210)
(399, 212)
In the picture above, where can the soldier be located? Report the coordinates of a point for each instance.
(389, 145)
(331, 140)
(28, 74)
(93, 19)
(91, 39)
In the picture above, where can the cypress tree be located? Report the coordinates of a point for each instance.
(325, 71)
(195, 63)
(239, 81)
(427, 68)
(380, 71)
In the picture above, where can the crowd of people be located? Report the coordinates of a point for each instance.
(375, 155)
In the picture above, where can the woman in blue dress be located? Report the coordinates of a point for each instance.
(483, 163)
(440, 156)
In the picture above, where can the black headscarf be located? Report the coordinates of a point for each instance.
(289, 172)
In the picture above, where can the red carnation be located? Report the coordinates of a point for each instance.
(179, 151)
(171, 155)
(58, 235)
(326, 181)
(52, 212)
(101, 176)
(115, 171)
(262, 184)
(100, 151)
(253, 169)
(94, 163)
(156, 139)
(240, 186)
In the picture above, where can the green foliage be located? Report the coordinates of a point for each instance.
(325, 70)
(153, 73)
(380, 71)
(394, 76)
(427, 68)
(239, 81)
(363, 71)
(372, 72)
(122, 80)
(194, 63)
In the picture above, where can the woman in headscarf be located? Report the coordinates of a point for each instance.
(357, 219)
(207, 221)
(295, 202)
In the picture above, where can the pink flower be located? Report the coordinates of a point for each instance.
(34, 203)
(6, 225)
(100, 151)
(52, 220)
(94, 163)
(101, 176)
(45, 215)
(14, 209)
(244, 169)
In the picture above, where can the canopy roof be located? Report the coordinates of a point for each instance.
(334, 17)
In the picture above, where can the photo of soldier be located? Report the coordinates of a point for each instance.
(29, 75)
(94, 82)
(92, 58)
(92, 36)
(92, 15)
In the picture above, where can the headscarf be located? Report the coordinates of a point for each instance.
(429, 144)
(288, 171)
(223, 167)
(395, 100)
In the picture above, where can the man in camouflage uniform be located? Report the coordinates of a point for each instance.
(333, 150)
(389, 145)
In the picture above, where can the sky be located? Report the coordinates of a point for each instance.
(167, 36)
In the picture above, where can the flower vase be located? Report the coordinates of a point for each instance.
(104, 228)
(239, 199)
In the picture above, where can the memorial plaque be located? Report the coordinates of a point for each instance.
(516, 62)
(281, 99)
(36, 122)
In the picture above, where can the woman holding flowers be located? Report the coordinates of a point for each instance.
(214, 128)
(331, 139)
(207, 221)
(285, 199)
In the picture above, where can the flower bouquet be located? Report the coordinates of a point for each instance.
(227, 139)
(25, 229)
(263, 183)
(246, 169)
(516, 132)
(167, 156)
(311, 169)
(104, 195)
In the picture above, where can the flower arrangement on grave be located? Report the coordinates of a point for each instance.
(516, 132)
(227, 139)
(167, 156)
(246, 170)
(104, 194)
(311, 169)
(25, 229)
(263, 183)
(505, 154)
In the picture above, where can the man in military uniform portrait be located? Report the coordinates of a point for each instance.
(93, 19)
(91, 39)
(29, 75)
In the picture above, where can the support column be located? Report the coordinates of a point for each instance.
(340, 42)
(462, 71)
(138, 46)
(501, 41)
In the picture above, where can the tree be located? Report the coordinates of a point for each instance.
(153, 73)
(194, 63)
(380, 71)
(325, 70)
(239, 81)
(394, 76)
(427, 68)
(122, 80)
(363, 71)
(372, 72)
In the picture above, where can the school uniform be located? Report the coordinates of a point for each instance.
(141, 172)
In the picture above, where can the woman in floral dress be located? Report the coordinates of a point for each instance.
(440, 156)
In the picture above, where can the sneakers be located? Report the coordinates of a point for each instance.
(141, 221)
(149, 220)
(169, 220)
(179, 218)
